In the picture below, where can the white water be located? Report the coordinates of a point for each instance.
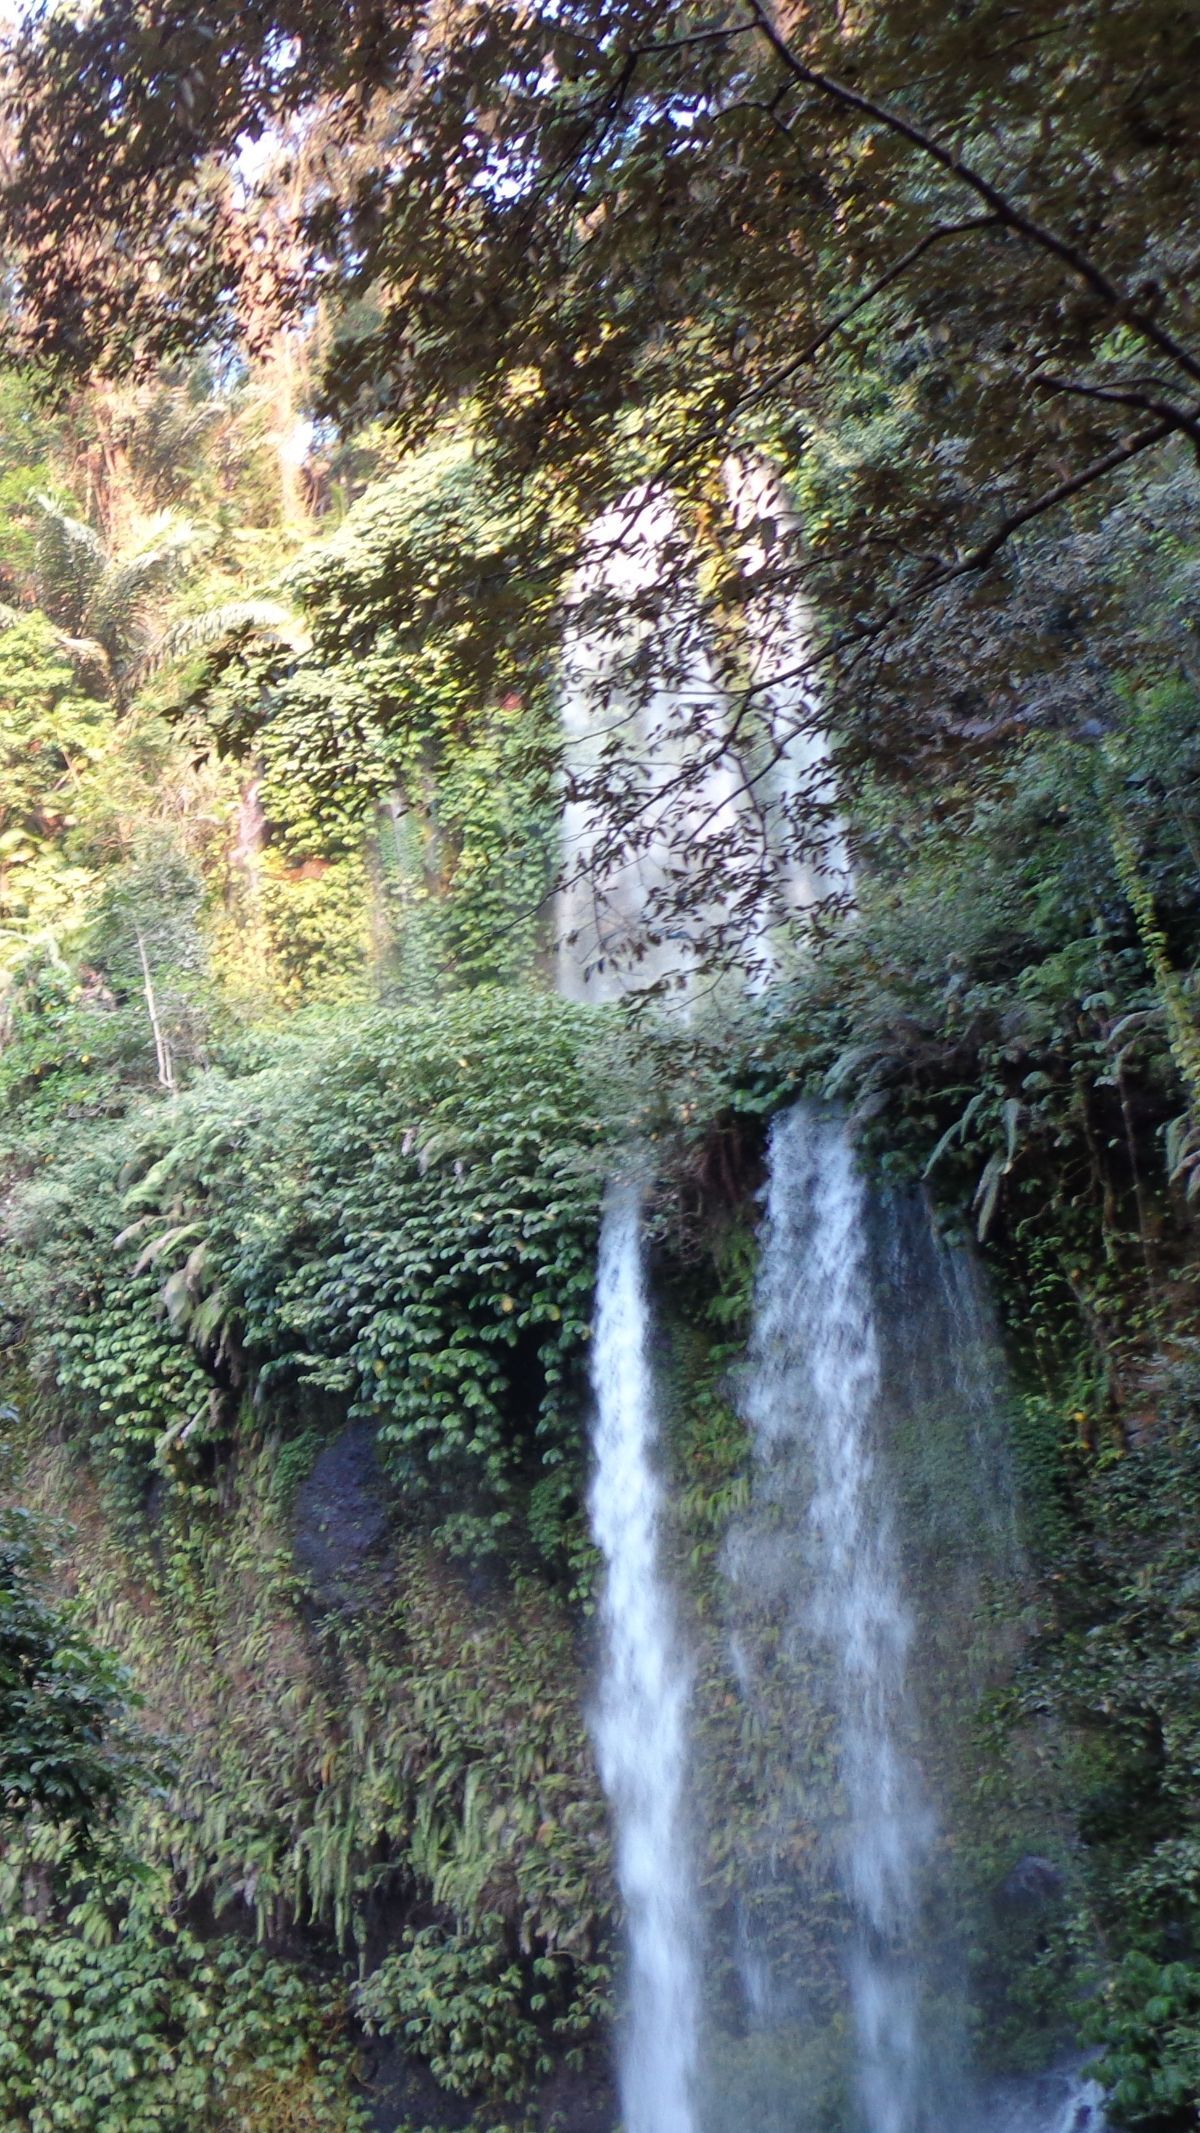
(685, 777)
(814, 1567)
(1083, 2109)
(1067, 2101)
(811, 1401)
(640, 1718)
(642, 712)
(795, 787)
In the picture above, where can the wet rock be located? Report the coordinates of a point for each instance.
(399, 2091)
(1032, 1882)
(340, 1519)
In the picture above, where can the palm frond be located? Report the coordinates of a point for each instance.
(69, 562)
(115, 612)
(217, 628)
(90, 659)
(170, 426)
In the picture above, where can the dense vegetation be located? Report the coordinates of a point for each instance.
(326, 336)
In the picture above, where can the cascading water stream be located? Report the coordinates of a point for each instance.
(825, 1645)
(639, 1720)
(723, 789)
(811, 1400)
(795, 786)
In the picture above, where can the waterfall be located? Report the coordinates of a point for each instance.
(639, 699)
(700, 807)
(796, 788)
(846, 1637)
(1068, 2100)
(1083, 2108)
(639, 1721)
(811, 1400)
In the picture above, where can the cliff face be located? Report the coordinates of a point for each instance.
(299, 1358)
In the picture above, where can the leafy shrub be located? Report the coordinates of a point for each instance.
(150, 2030)
(461, 2001)
(394, 1221)
(1149, 2025)
(394, 747)
(65, 1745)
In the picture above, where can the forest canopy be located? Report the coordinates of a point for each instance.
(634, 239)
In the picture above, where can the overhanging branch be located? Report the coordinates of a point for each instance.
(1116, 299)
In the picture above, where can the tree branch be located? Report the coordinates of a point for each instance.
(1014, 218)
(979, 557)
(1150, 403)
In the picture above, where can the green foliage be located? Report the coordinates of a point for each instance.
(401, 1220)
(66, 1749)
(387, 744)
(316, 917)
(383, 1213)
(995, 1027)
(51, 738)
(388, 1217)
(473, 2012)
(1114, 1661)
(398, 1220)
(102, 600)
(135, 2025)
(29, 438)
(101, 1357)
(422, 1757)
(1149, 2025)
(71, 1052)
(755, 2081)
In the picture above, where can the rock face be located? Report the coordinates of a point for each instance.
(400, 2091)
(340, 1518)
(1032, 1882)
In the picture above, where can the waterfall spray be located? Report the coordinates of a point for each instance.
(640, 1715)
(811, 1400)
(648, 683)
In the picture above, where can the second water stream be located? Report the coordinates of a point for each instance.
(847, 1303)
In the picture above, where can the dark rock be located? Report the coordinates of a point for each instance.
(579, 2100)
(154, 1502)
(340, 1520)
(1032, 1882)
(401, 2091)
